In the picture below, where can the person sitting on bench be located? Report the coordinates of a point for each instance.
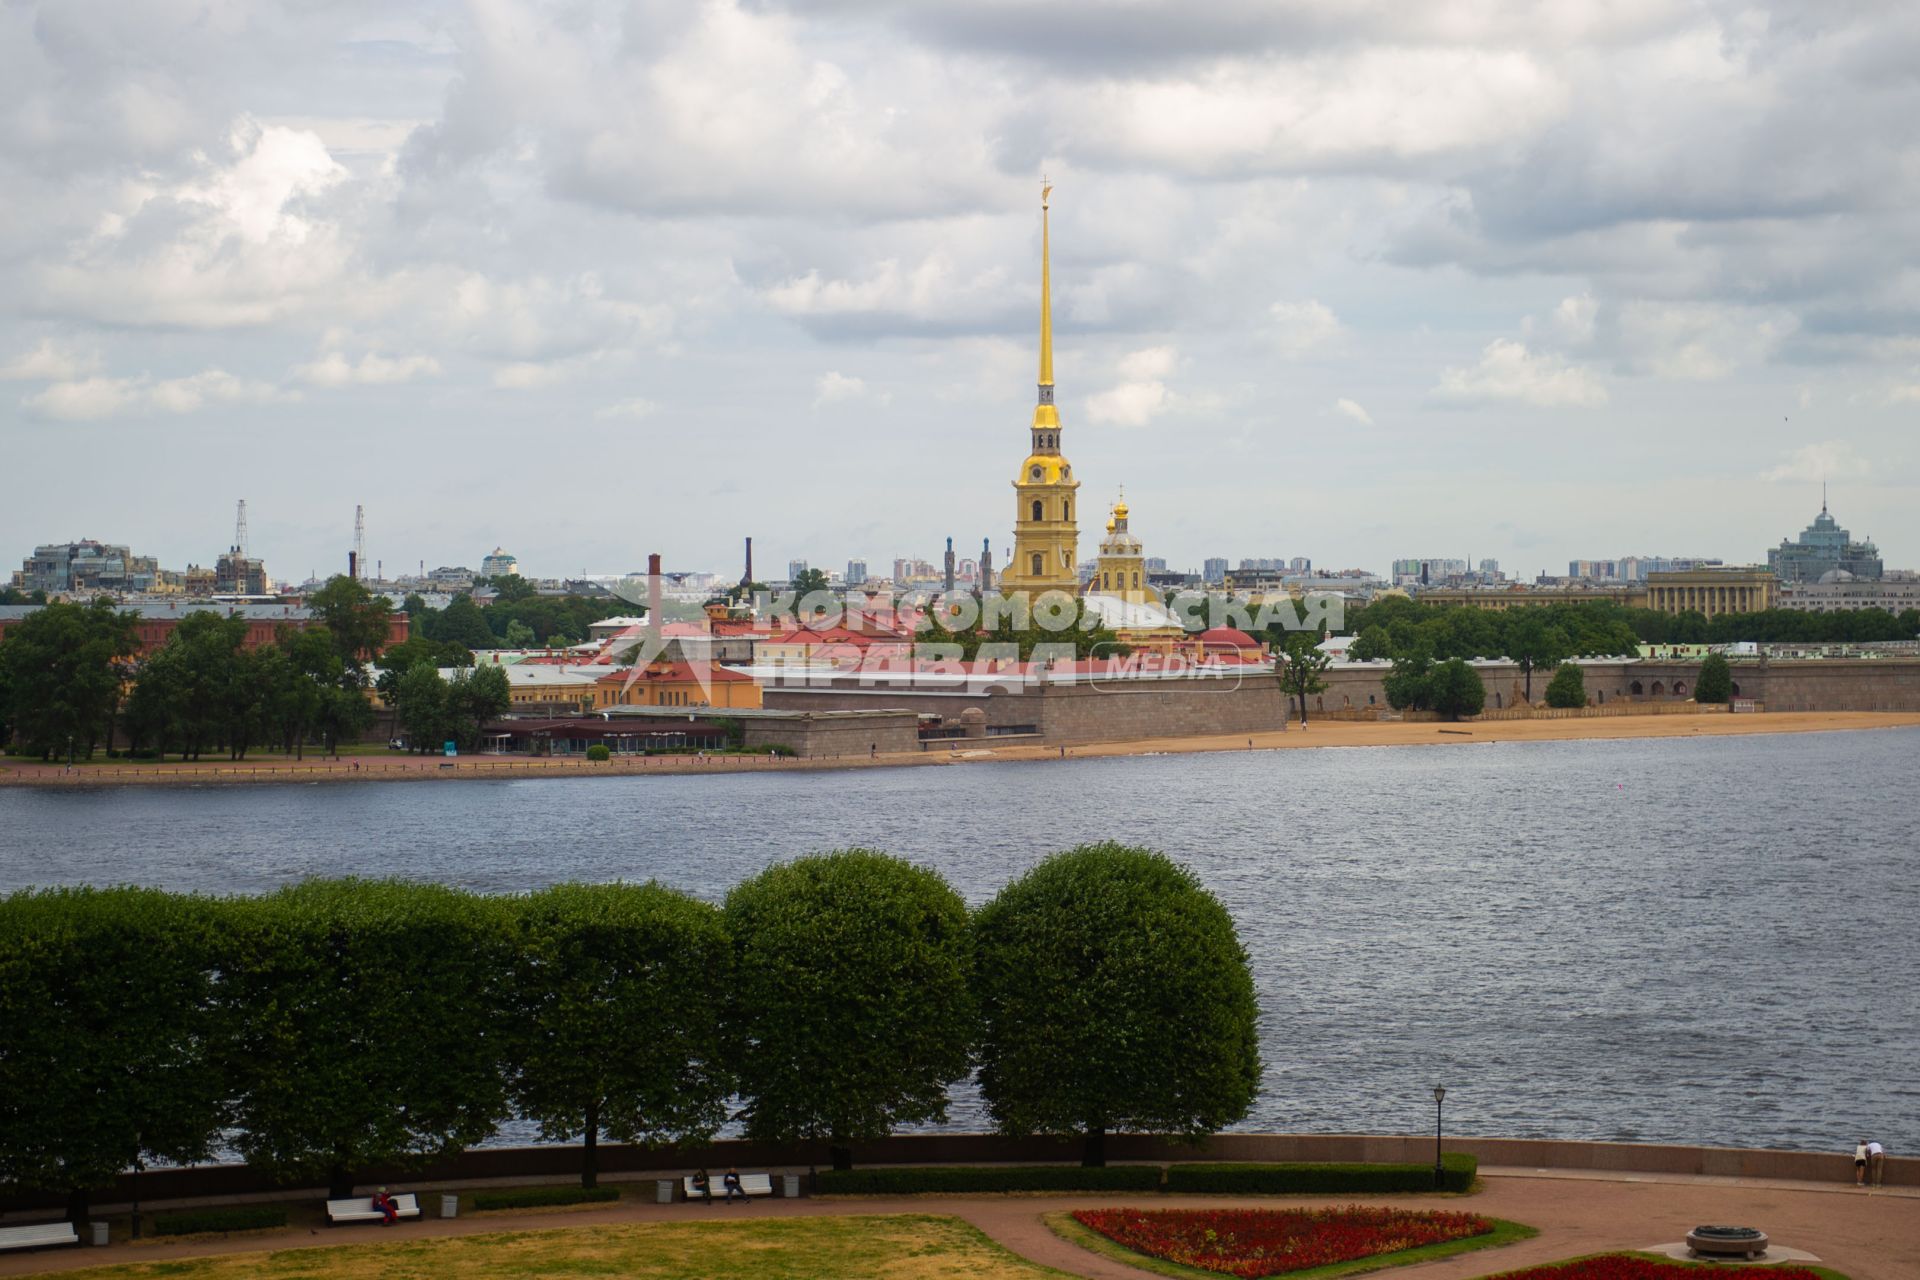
(702, 1186)
(390, 1212)
(732, 1182)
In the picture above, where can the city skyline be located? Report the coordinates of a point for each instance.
(1497, 284)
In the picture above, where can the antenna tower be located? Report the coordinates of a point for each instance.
(360, 541)
(240, 530)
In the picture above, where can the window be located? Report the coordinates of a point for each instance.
(1066, 508)
(1039, 563)
(1038, 507)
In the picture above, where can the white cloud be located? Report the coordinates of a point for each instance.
(1149, 363)
(1812, 463)
(834, 387)
(1131, 404)
(373, 369)
(1142, 392)
(1299, 327)
(1573, 320)
(633, 408)
(1700, 341)
(1351, 409)
(236, 244)
(50, 362)
(1507, 371)
(530, 375)
(88, 399)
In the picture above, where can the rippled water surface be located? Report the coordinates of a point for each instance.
(1709, 941)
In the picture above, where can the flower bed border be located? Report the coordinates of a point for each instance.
(1565, 1267)
(1505, 1232)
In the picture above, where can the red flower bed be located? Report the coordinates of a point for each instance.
(1620, 1267)
(1272, 1242)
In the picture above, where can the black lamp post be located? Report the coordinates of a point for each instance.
(1439, 1096)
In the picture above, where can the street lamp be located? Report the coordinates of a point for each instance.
(1439, 1096)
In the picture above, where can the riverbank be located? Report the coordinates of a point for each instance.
(1329, 733)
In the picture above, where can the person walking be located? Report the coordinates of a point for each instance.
(1876, 1163)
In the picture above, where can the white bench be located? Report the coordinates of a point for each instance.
(360, 1209)
(41, 1235)
(752, 1184)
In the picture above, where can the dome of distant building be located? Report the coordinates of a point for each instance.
(1227, 638)
(499, 565)
(1837, 575)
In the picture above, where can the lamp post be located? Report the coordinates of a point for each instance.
(1439, 1096)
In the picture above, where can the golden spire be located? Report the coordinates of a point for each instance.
(1046, 295)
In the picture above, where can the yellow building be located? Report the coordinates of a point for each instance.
(676, 684)
(1122, 567)
(1516, 597)
(1045, 538)
(1713, 591)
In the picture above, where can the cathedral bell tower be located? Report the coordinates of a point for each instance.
(1045, 537)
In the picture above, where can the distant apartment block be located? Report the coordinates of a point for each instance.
(86, 566)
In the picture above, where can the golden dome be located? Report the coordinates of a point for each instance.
(1044, 468)
(1120, 509)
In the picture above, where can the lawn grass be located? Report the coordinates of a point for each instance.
(852, 1247)
(1503, 1233)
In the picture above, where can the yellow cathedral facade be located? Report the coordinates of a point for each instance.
(1046, 538)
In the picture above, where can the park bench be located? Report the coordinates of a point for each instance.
(41, 1235)
(752, 1184)
(360, 1209)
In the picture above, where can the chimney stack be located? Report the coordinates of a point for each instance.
(653, 593)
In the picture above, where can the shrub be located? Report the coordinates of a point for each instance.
(1568, 688)
(598, 751)
(543, 1197)
(251, 1217)
(617, 995)
(850, 997)
(951, 1179)
(1115, 995)
(1458, 1170)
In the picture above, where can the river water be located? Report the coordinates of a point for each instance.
(1707, 941)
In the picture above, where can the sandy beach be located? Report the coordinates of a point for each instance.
(1316, 734)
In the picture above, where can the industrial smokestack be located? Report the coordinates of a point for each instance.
(749, 577)
(653, 592)
(353, 565)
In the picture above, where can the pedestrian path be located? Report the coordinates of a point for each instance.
(1868, 1235)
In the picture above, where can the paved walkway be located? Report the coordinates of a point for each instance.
(1867, 1235)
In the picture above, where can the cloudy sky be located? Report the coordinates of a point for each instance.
(1350, 279)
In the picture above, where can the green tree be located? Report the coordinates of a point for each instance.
(1371, 645)
(420, 705)
(462, 623)
(1568, 688)
(519, 635)
(1409, 685)
(107, 1000)
(1715, 682)
(357, 619)
(65, 669)
(366, 1021)
(1302, 663)
(1531, 642)
(619, 993)
(509, 587)
(850, 997)
(807, 582)
(401, 658)
(1114, 996)
(1454, 689)
(474, 698)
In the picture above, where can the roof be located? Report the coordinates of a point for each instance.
(670, 673)
(1231, 637)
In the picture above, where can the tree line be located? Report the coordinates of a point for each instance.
(338, 1025)
(73, 681)
(516, 618)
